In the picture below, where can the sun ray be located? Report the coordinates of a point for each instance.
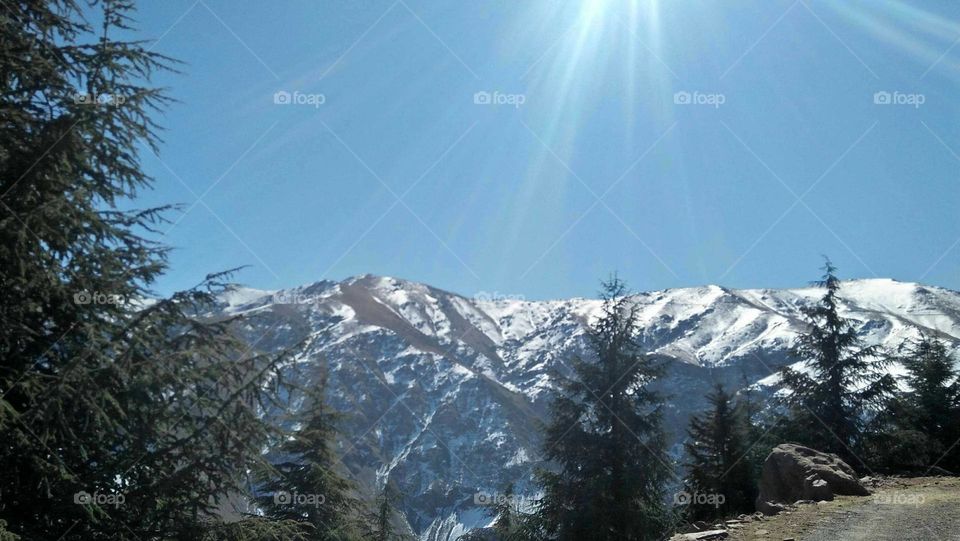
(922, 34)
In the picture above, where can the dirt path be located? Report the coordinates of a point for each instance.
(926, 508)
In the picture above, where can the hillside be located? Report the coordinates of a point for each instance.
(443, 393)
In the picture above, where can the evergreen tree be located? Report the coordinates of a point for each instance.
(921, 427)
(305, 486)
(382, 522)
(933, 403)
(605, 437)
(120, 419)
(829, 404)
(761, 427)
(255, 529)
(720, 481)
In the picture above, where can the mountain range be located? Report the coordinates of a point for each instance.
(443, 394)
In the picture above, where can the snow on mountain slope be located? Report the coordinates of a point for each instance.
(442, 394)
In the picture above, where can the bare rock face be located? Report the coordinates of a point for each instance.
(792, 472)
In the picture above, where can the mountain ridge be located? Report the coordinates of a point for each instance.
(443, 394)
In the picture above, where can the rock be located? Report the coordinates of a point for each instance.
(772, 508)
(762, 532)
(709, 535)
(792, 472)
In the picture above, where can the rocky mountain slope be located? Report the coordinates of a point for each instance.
(442, 393)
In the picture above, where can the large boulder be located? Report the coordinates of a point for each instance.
(793, 472)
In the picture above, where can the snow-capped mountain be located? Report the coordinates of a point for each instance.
(443, 393)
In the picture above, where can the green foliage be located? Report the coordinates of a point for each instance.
(120, 419)
(933, 402)
(605, 438)
(829, 404)
(305, 485)
(761, 428)
(257, 529)
(381, 524)
(920, 428)
(720, 480)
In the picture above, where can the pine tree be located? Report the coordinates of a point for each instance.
(254, 529)
(720, 481)
(381, 527)
(761, 428)
(921, 428)
(305, 486)
(846, 381)
(933, 403)
(120, 419)
(506, 511)
(605, 437)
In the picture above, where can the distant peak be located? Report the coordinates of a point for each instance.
(373, 281)
(865, 285)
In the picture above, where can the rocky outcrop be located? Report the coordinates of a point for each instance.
(792, 473)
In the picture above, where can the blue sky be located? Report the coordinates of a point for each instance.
(679, 142)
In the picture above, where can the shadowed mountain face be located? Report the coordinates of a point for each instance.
(443, 394)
